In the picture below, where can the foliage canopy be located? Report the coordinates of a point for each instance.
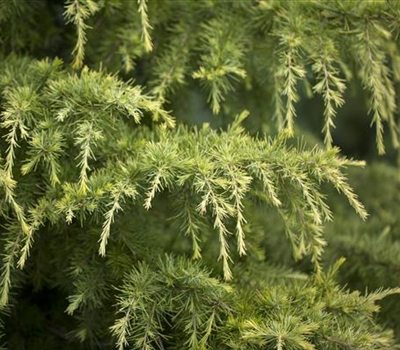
(143, 206)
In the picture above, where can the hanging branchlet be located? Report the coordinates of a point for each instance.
(87, 136)
(120, 190)
(77, 12)
(290, 69)
(12, 246)
(375, 76)
(212, 196)
(330, 85)
(277, 98)
(146, 27)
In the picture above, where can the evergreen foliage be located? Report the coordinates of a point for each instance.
(142, 208)
(372, 250)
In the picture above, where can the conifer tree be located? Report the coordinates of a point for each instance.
(163, 185)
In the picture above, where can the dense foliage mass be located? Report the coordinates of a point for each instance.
(153, 196)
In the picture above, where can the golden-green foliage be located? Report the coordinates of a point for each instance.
(143, 232)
